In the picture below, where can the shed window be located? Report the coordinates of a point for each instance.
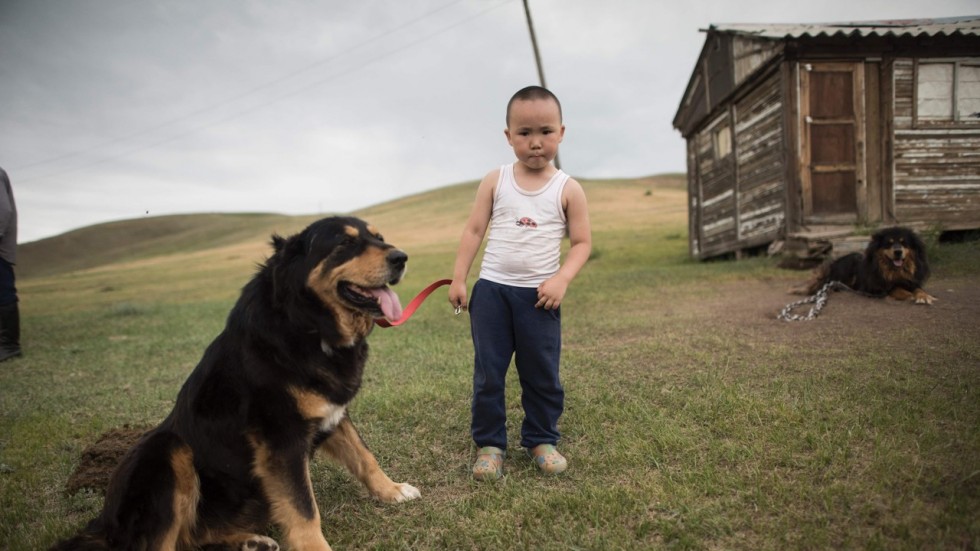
(722, 141)
(948, 91)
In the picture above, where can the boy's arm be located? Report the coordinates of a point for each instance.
(473, 233)
(552, 292)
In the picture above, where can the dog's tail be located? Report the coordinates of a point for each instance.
(818, 278)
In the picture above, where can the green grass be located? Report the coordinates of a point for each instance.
(684, 429)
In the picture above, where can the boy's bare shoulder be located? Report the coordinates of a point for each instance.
(489, 181)
(492, 176)
(573, 187)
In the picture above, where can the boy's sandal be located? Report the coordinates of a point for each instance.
(548, 459)
(489, 463)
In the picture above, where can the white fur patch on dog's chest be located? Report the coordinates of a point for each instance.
(315, 406)
(333, 418)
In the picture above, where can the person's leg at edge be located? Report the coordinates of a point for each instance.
(9, 314)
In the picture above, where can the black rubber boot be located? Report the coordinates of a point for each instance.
(9, 331)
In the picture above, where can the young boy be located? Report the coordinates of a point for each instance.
(514, 308)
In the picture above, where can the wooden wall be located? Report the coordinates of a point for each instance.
(716, 218)
(738, 195)
(759, 139)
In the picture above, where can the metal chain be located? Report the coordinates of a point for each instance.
(819, 300)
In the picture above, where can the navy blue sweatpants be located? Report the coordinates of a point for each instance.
(505, 324)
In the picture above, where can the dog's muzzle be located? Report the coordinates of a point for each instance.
(396, 260)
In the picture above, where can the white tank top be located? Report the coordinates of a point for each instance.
(526, 229)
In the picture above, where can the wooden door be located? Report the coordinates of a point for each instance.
(832, 143)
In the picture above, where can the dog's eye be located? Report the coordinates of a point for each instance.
(380, 237)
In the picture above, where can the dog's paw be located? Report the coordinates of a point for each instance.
(398, 493)
(922, 297)
(408, 492)
(259, 543)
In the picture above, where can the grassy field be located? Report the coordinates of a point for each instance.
(694, 420)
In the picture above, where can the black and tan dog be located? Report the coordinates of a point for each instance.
(894, 264)
(233, 456)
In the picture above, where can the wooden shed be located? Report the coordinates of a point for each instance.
(806, 134)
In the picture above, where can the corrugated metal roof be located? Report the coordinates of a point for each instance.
(966, 25)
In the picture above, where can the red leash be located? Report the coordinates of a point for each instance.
(414, 305)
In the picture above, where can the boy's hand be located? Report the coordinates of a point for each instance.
(551, 293)
(457, 294)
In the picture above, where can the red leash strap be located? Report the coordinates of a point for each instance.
(414, 305)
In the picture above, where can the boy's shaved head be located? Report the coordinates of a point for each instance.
(532, 93)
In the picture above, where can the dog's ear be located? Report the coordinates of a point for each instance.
(878, 241)
(286, 251)
(278, 242)
(287, 246)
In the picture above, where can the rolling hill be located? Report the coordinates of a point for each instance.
(432, 218)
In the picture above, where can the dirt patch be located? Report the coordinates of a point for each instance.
(100, 459)
(748, 310)
(742, 315)
(957, 307)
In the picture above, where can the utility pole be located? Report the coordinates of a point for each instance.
(537, 58)
(534, 45)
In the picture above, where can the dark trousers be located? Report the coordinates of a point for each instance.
(9, 313)
(8, 288)
(505, 324)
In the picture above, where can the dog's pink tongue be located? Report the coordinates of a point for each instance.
(390, 305)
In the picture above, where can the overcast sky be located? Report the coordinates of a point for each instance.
(121, 109)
